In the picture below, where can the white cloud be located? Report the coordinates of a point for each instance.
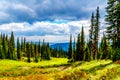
(4, 14)
(15, 27)
(34, 10)
(25, 8)
(50, 31)
(49, 38)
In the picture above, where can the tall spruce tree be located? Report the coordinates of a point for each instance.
(91, 36)
(74, 49)
(39, 49)
(24, 45)
(87, 55)
(96, 33)
(18, 50)
(48, 53)
(2, 54)
(36, 52)
(113, 21)
(7, 46)
(28, 52)
(4, 46)
(32, 49)
(9, 56)
(12, 46)
(77, 55)
(43, 49)
(82, 45)
(70, 51)
(105, 48)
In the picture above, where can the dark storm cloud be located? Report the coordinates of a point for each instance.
(42, 10)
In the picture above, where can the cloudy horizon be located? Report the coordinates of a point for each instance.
(52, 20)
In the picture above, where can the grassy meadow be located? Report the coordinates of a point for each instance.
(59, 69)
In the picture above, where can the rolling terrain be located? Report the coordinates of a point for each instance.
(59, 69)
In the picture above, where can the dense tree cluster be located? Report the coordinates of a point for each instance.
(87, 51)
(9, 49)
(94, 34)
(78, 52)
(109, 47)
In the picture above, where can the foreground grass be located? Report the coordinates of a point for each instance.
(10, 64)
(59, 69)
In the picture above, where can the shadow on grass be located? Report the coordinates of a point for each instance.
(98, 67)
(52, 66)
(78, 64)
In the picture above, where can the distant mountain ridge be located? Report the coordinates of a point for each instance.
(64, 46)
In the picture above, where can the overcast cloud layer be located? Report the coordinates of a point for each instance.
(53, 20)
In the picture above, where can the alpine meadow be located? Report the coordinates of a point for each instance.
(60, 40)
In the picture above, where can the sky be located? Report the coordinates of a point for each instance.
(52, 20)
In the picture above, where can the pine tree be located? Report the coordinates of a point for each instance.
(87, 56)
(2, 55)
(48, 53)
(55, 52)
(39, 49)
(9, 56)
(4, 46)
(96, 33)
(32, 49)
(82, 45)
(70, 51)
(113, 21)
(12, 46)
(24, 45)
(36, 53)
(7, 46)
(43, 49)
(18, 50)
(105, 48)
(28, 52)
(77, 55)
(91, 36)
(74, 49)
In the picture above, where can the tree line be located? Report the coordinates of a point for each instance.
(33, 51)
(108, 47)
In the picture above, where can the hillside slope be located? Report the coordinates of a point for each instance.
(59, 69)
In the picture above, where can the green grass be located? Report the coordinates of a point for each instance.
(11, 64)
(96, 70)
(59, 69)
(93, 70)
